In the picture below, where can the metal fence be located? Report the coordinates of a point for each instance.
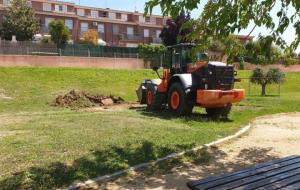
(80, 50)
(256, 89)
(26, 48)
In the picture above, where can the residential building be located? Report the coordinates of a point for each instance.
(117, 28)
(244, 39)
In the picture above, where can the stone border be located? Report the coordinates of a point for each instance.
(174, 155)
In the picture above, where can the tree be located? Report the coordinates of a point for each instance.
(59, 33)
(263, 51)
(263, 78)
(90, 37)
(233, 48)
(265, 43)
(221, 17)
(173, 33)
(19, 21)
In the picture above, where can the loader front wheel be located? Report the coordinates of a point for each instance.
(178, 101)
(153, 99)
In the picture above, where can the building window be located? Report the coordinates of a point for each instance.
(158, 33)
(115, 29)
(141, 19)
(69, 24)
(94, 14)
(112, 15)
(80, 12)
(84, 27)
(6, 2)
(103, 14)
(147, 19)
(146, 33)
(47, 7)
(47, 21)
(130, 31)
(101, 28)
(124, 17)
(118, 16)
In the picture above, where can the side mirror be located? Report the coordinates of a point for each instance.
(155, 68)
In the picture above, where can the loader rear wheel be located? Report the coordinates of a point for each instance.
(153, 98)
(217, 113)
(178, 100)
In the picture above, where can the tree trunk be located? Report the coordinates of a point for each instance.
(263, 89)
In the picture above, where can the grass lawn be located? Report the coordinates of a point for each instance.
(43, 147)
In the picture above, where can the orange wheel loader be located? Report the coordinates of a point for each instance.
(192, 81)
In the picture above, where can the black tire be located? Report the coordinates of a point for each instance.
(217, 113)
(185, 106)
(157, 101)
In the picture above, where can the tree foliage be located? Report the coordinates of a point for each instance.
(264, 51)
(263, 78)
(152, 53)
(90, 37)
(174, 32)
(229, 46)
(59, 33)
(221, 17)
(19, 21)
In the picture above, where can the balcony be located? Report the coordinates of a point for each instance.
(156, 40)
(131, 37)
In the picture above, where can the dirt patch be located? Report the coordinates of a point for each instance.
(117, 107)
(270, 138)
(81, 99)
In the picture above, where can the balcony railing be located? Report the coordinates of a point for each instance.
(45, 29)
(131, 37)
(156, 40)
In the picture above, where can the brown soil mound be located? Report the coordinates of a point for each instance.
(80, 99)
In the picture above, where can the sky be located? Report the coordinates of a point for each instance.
(138, 5)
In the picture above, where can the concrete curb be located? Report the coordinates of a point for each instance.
(174, 155)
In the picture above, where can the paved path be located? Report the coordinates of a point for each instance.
(271, 137)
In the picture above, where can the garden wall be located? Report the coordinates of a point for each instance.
(291, 68)
(67, 61)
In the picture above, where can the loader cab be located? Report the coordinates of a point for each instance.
(182, 56)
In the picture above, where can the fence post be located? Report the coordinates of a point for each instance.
(115, 58)
(27, 50)
(73, 51)
(279, 89)
(59, 51)
(137, 60)
(249, 86)
(89, 53)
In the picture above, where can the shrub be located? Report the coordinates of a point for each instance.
(90, 37)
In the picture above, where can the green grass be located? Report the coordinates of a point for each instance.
(43, 147)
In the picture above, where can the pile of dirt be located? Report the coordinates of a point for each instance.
(80, 99)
